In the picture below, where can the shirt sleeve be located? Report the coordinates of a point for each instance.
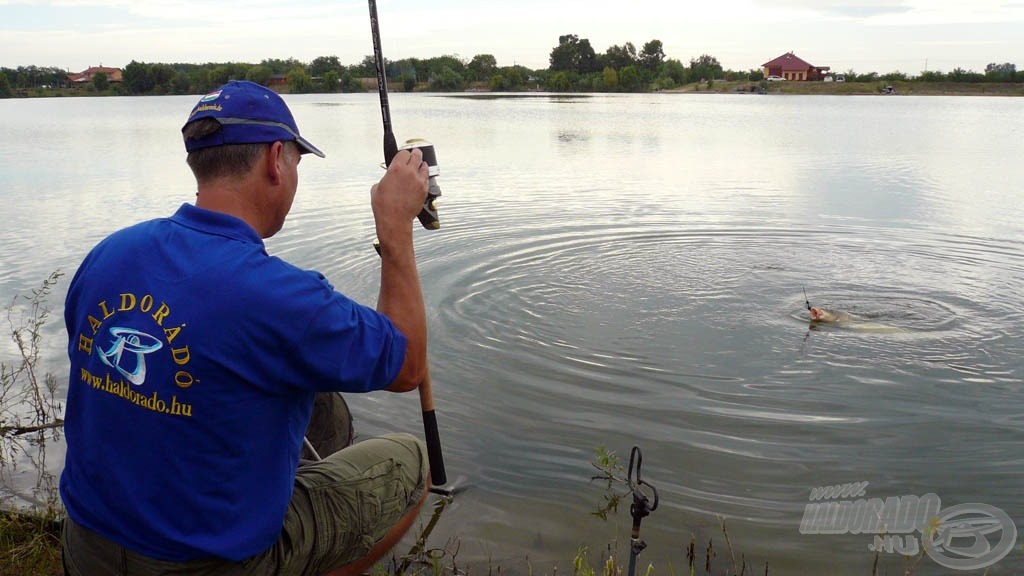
(348, 347)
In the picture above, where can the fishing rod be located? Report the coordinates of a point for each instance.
(428, 218)
(428, 215)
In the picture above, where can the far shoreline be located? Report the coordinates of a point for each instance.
(875, 88)
(799, 88)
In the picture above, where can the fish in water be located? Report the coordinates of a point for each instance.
(827, 316)
(821, 316)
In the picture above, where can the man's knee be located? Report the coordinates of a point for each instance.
(410, 455)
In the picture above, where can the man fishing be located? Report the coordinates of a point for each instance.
(195, 360)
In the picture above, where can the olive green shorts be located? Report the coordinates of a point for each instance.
(340, 507)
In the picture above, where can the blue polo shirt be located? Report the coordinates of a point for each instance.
(195, 358)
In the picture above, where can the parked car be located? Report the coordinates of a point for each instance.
(775, 79)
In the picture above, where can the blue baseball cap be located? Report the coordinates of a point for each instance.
(248, 113)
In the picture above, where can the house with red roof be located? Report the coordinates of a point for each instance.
(792, 67)
(85, 77)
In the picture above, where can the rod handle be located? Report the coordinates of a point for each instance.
(431, 435)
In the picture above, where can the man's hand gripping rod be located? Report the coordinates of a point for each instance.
(428, 218)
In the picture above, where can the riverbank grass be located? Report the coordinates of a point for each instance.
(30, 544)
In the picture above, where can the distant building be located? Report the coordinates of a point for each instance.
(85, 77)
(791, 67)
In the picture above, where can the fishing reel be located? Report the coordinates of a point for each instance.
(428, 215)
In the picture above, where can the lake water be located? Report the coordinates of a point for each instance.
(628, 270)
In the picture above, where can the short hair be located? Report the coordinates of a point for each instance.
(228, 160)
(218, 161)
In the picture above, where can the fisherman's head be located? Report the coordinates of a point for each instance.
(244, 113)
(243, 137)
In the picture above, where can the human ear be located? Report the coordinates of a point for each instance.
(275, 162)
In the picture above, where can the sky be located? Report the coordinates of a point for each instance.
(881, 36)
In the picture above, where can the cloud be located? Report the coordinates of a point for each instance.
(863, 12)
(847, 9)
(901, 12)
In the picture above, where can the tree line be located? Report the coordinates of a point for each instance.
(574, 66)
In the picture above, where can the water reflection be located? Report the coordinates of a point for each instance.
(627, 270)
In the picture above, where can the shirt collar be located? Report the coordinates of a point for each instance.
(217, 223)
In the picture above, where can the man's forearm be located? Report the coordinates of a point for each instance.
(401, 300)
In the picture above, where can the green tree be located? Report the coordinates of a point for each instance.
(497, 83)
(573, 55)
(652, 55)
(611, 79)
(34, 76)
(481, 67)
(181, 83)
(436, 67)
(201, 81)
(665, 83)
(28, 76)
(1001, 72)
(279, 66)
(411, 67)
(259, 74)
(896, 76)
(161, 75)
(618, 57)
(961, 75)
(588, 58)
(100, 81)
(675, 70)
(565, 56)
(299, 81)
(331, 81)
(559, 82)
(219, 75)
(5, 86)
(349, 83)
(705, 67)
(136, 78)
(447, 80)
(409, 82)
(514, 77)
(323, 64)
(367, 68)
(630, 79)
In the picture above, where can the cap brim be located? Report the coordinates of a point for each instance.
(306, 147)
